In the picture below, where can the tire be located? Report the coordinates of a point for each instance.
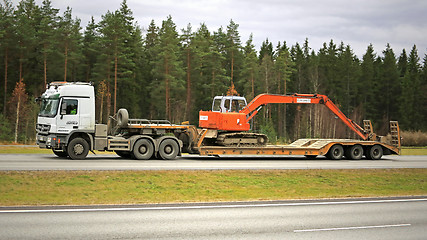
(59, 153)
(354, 152)
(143, 149)
(374, 153)
(122, 117)
(124, 154)
(78, 149)
(336, 152)
(168, 149)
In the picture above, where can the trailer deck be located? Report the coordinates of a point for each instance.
(308, 147)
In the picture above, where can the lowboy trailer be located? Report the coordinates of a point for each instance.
(66, 124)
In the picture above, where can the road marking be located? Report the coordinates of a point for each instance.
(352, 228)
(205, 206)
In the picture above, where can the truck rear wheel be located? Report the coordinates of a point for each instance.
(354, 152)
(374, 153)
(78, 149)
(143, 149)
(168, 149)
(336, 152)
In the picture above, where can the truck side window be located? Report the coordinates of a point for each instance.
(69, 107)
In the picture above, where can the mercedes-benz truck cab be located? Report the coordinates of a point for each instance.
(66, 108)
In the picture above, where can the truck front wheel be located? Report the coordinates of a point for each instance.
(78, 149)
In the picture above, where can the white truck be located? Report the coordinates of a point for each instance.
(66, 124)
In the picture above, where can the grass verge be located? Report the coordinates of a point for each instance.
(138, 187)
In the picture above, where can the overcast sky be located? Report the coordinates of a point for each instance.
(402, 23)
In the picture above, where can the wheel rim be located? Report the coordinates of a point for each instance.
(142, 149)
(336, 152)
(375, 152)
(168, 149)
(78, 149)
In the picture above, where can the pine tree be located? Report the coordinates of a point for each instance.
(6, 41)
(168, 69)
(366, 80)
(283, 70)
(186, 39)
(233, 51)
(26, 17)
(90, 48)
(250, 69)
(409, 112)
(69, 32)
(46, 34)
(423, 123)
(389, 87)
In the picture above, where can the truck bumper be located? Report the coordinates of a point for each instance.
(51, 141)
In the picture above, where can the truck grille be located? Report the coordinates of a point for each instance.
(42, 128)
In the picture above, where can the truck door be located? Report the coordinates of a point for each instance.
(68, 115)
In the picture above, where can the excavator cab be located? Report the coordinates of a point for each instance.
(225, 114)
(225, 104)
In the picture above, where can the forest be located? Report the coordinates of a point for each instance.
(163, 72)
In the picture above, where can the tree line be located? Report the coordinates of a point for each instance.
(162, 72)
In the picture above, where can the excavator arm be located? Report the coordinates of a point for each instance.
(254, 106)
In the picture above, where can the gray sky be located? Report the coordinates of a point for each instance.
(401, 23)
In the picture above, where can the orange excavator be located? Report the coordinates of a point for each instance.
(229, 119)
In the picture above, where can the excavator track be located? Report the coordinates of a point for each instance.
(241, 139)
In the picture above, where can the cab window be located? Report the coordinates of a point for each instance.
(217, 105)
(69, 107)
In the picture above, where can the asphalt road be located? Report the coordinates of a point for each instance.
(335, 219)
(113, 162)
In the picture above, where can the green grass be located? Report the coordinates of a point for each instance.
(138, 187)
(414, 151)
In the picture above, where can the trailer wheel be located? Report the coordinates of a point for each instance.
(78, 149)
(143, 149)
(168, 149)
(336, 152)
(374, 153)
(59, 153)
(354, 152)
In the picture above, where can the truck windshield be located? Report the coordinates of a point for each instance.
(49, 107)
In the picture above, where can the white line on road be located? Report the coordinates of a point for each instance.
(205, 206)
(353, 228)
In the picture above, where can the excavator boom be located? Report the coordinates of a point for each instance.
(252, 108)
